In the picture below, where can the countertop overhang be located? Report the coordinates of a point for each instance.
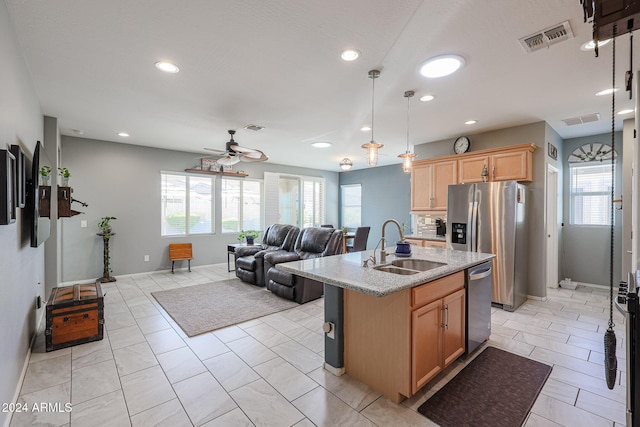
(346, 270)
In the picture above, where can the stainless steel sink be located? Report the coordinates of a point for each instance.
(417, 264)
(395, 270)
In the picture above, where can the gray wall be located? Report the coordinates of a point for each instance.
(586, 248)
(123, 180)
(385, 194)
(21, 267)
(535, 133)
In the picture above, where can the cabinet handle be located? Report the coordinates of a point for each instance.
(446, 316)
(493, 171)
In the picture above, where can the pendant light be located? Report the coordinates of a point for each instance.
(407, 157)
(345, 164)
(372, 147)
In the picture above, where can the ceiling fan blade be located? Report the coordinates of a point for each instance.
(229, 160)
(251, 157)
(240, 149)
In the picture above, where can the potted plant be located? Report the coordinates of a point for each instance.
(105, 226)
(45, 173)
(65, 174)
(250, 235)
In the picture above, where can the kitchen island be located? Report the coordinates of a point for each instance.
(393, 331)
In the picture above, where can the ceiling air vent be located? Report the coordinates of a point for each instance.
(547, 37)
(582, 119)
(254, 128)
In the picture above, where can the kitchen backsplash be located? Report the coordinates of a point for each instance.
(424, 225)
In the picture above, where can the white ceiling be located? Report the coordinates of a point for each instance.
(277, 64)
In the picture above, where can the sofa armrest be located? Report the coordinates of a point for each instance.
(247, 250)
(278, 257)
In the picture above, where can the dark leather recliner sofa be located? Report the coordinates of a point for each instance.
(311, 243)
(250, 259)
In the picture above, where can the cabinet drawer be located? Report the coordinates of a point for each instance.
(437, 289)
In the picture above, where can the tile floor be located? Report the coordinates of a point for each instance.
(268, 372)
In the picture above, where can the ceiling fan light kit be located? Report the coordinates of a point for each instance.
(372, 147)
(235, 153)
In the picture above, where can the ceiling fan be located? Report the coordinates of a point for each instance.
(235, 153)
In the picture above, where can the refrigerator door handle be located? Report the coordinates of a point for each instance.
(479, 274)
(474, 226)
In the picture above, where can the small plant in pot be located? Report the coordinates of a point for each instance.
(45, 173)
(64, 174)
(105, 226)
(250, 235)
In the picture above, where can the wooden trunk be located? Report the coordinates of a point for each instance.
(75, 315)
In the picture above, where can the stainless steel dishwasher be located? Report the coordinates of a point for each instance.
(478, 307)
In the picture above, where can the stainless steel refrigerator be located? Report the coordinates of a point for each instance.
(490, 218)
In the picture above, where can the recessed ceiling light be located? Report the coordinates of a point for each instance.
(590, 45)
(350, 54)
(470, 122)
(123, 134)
(321, 144)
(627, 111)
(365, 128)
(607, 91)
(427, 98)
(440, 66)
(77, 131)
(167, 67)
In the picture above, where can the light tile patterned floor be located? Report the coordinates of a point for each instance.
(268, 371)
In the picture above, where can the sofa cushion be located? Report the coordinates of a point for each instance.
(276, 236)
(314, 240)
(282, 277)
(246, 263)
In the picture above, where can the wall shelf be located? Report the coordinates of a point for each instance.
(242, 175)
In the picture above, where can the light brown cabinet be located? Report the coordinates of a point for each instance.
(437, 333)
(396, 344)
(504, 164)
(430, 184)
(431, 178)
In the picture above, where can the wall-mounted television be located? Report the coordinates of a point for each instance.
(39, 198)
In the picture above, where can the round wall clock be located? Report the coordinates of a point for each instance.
(461, 145)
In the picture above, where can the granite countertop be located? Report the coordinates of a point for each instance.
(346, 271)
(427, 237)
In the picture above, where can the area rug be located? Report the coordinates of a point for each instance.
(202, 308)
(496, 389)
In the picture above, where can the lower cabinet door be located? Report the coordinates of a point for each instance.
(453, 326)
(426, 344)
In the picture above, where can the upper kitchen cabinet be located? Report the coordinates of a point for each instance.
(470, 169)
(430, 182)
(502, 164)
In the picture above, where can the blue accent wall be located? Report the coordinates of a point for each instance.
(386, 193)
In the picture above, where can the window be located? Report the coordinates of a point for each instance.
(187, 204)
(241, 205)
(351, 205)
(591, 193)
(292, 199)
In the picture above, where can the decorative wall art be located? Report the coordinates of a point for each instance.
(20, 177)
(7, 189)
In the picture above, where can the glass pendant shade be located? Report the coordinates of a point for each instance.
(407, 161)
(372, 152)
(228, 160)
(407, 157)
(372, 147)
